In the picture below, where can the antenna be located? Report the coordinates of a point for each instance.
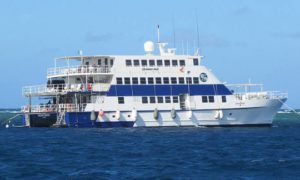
(158, 35)
(198, 39)
(182, 46)
(173, 26)
(187, 47)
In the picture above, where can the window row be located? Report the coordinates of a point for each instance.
(211, 99)
(153, 99)
(153, 62)
(159, 99)
(158, 80)
(105, 62)
(169, 99)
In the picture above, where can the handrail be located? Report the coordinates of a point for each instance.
(72, 70)
(260, 95)
(54, 108)
(63, 88)
(249, 93)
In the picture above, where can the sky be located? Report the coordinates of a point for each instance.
(240, 39)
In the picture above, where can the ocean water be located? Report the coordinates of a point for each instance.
(152, 153)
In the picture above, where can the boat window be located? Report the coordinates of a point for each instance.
(173, 80)
(189, 80)
(127, 80)
(136, 62)
(223, 99)
(151, 62)
(167, 62)
(181, 80)
(143, 80)
(119, 81)
(204, 99)
(150, 80)
(182, 62)
(135, 80)
(158, 80)
(106, 62)
(152, 99)
(196, 62)
(160, 99)
(144, 100)
(144, 62)
(174, 62)
(211, 99)
(175, 99)
(111, 62)
(168, 99)
(99, 62)
(128, 62)
(196, 80)
(121, 100)
(86, 63)
(159, 62)
(166, 80)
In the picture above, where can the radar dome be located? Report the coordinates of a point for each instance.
(149, 47)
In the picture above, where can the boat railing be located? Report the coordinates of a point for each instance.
(39, 108)
(254, 91)
(71, 107)
(53, 89)
(42, 89)
(48, 108)
(78, 70)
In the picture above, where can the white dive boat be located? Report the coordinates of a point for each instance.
(145, 91)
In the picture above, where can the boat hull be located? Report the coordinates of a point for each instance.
(242, 116)
(39, 119)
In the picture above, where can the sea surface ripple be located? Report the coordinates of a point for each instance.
(152, 153)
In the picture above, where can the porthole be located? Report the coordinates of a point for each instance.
(203, 77)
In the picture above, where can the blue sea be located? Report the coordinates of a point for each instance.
(152, 153)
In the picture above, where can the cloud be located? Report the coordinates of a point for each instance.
(287, 35)
(241, 11)
(213, 41)
(92, 37)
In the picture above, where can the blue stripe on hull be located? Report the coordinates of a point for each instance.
(167, 90)
(82, 120)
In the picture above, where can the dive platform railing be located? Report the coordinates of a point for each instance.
(77, 70)
(56, 89)
(48, 108)
(254, 91)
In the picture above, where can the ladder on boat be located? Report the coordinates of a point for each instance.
(60, 119)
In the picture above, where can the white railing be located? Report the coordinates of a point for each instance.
(78, 70)
(40, 108)
(43, 108)
(254, 91)
(42, 89)
(71, 107)
(52, 89)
